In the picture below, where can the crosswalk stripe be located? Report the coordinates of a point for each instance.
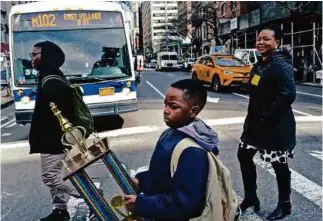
(296, 111)
(314, 95)
(4, 118)
(74, 204)
(7, 123)
(213, 99)
(249, 214)
(317, 154)
(12, 125)
(299, 183)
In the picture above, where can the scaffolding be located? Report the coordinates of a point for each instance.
(300, 40)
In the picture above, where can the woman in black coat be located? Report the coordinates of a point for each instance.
(270, 125)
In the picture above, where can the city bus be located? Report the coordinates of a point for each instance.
(95, 38)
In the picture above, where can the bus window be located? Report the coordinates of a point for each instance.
(88, 52)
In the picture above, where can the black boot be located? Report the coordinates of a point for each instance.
(57, 215)
(249, 177)
(283, 176)
(282, 210)
(249, 202)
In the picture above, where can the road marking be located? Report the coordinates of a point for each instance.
(160, 93)
(213, 99)
(74, 204)
(5, 134)
(12, 125)
(209, 99)
(296, 111)
(7, 123)
(170, 75)
(154, 128)
(314, 95)
(249, 214)
(139, 170)
(300, 112)
(240, 95)
(4, 118)
(299, 183)
(317, 154)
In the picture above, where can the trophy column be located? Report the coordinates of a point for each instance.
(74, 136)
(92, 196)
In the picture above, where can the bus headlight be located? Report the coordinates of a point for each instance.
(25, 100)
(126, 91)
(128, 83)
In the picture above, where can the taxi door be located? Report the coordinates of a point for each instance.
(208, 70)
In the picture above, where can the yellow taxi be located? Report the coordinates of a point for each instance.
(221, 71)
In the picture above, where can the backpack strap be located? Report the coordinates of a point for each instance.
(52, 77)
(179, 148)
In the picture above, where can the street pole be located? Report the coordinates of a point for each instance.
(282, 40)
(313, 52)
(245, 40)
(166, 25)
(292, 41)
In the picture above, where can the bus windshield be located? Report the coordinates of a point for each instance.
(89, 53)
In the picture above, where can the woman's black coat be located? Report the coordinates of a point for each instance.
(270, 122)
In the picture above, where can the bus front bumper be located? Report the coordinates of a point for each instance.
(24, 116)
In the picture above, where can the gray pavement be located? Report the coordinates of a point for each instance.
(22, 192)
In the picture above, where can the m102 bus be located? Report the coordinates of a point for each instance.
(95, 39)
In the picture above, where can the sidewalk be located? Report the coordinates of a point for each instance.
(5, 99)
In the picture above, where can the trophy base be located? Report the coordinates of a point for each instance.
(81, 161)
(132, 218)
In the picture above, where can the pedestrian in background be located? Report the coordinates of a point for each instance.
(270, 126)
(45, 132)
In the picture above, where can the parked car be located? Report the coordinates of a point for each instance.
(180, 65)
(153, 63)
(221, 71)
(188, 63)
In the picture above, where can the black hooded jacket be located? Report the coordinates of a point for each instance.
(45, 132)
(270, 122)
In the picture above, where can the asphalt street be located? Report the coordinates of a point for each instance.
(24, 197)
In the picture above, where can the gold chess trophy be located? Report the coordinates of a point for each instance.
(74, 136)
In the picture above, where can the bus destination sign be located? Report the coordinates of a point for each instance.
(67, 20)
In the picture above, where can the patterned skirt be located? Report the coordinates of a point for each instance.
(270, 156)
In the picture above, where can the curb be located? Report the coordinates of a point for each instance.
(6, 103)
(310, 85)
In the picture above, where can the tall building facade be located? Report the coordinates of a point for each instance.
(184, 10)
(135, 12)
(158, 33)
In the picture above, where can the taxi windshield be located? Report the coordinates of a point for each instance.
(229, 62)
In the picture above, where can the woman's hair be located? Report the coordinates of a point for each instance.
(278, 33)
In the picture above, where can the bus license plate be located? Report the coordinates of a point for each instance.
(106, 91)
